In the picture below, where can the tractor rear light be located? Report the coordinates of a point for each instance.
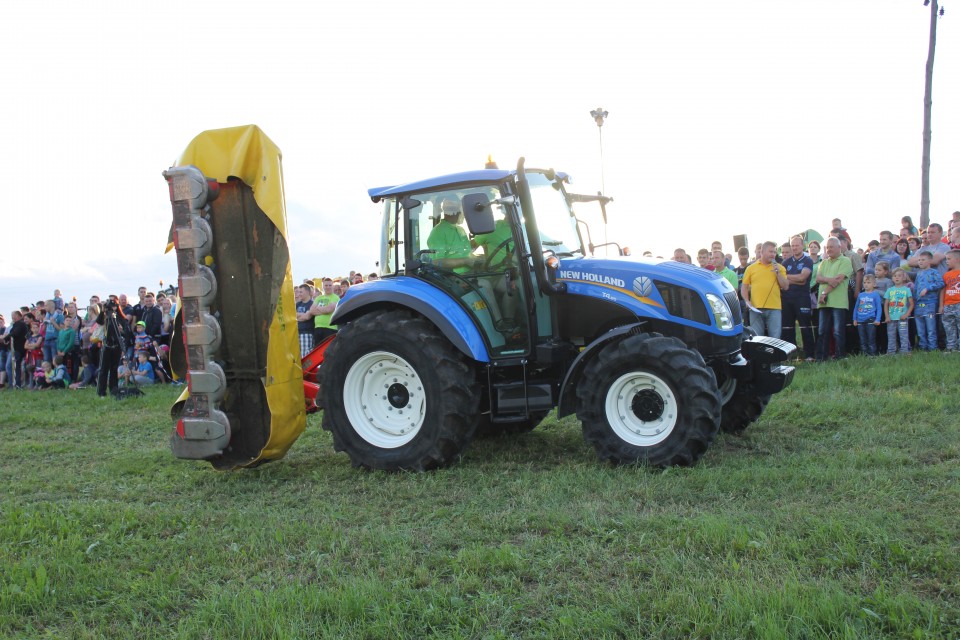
(203, 430)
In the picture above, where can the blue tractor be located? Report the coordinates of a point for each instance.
(492, 311)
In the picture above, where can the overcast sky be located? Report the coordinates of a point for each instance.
(753, 117)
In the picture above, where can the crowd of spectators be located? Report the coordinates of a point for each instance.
(316, 300)
(52, 344)
(899, 293)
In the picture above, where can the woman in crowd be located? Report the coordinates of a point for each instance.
(90, 337)
(68, 340)
(813, 248)
(166, 325)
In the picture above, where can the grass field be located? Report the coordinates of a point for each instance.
(837, 515)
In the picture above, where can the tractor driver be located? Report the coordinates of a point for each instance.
(449, 240)
(453, 251)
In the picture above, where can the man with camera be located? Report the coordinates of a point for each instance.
(114, 341)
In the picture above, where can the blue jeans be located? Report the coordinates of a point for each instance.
(49, 350)
(926, 331)
(4, 360)
(899, 328)
(766, 323)
(832, 322)
(868, 337)
(951, 325)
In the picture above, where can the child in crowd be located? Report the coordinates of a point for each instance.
(44, 375)
(144, 373)
(55, 375)
(898, 307)
(88, 374)
(950, 300)
(34, 356)
(867, 314)
(142, 341)
(883, 281)
(927, 284)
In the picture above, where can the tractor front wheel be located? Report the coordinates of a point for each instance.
(742, 406)
(397, 395)
(648, 399)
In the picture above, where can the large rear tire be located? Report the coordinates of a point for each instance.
(648, 399)
(397, 395)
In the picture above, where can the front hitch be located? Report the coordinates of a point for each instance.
(759, 364)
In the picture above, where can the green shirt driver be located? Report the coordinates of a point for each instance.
(449, 240)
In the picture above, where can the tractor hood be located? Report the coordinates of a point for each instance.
(655, 289)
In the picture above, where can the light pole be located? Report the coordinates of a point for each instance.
(599, 115)
(927, 108)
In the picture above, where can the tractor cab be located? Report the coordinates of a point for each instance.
(467, 236)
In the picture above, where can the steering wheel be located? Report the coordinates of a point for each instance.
(500, 247)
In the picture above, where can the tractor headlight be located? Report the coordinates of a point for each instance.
(721, 312)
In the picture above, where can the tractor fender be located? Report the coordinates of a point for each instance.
(568, 394)
(433, 304)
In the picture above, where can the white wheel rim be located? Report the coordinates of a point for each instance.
(726, 390)
(641, 409)
(384, 400)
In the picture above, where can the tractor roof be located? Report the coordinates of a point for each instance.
(479, 175)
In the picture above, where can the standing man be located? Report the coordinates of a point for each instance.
(937, 248)
(720, 268)
(18, 350)
(833, 302)
(53, 322)
(762, 282)
(853, 290)
(886, 252)
(322, 310)
(151, 316)
(304, 319)
(796, 299)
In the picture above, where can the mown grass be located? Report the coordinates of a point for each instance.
(835, 516)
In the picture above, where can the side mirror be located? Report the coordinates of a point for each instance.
(477, 211)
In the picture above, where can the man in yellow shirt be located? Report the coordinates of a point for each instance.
(762, 282)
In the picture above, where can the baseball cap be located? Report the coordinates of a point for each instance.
(449, 207)
(141, 323)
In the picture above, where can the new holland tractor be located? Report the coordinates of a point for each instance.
(491, 311)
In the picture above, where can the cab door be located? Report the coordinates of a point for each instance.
(480, 272)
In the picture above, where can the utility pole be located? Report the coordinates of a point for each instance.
(927, 108)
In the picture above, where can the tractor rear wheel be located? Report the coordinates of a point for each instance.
(397, 395)
(648, 399)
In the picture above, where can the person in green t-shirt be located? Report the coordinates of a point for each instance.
(322, 309)
(449, 242)
(452, 251)
(721, 269)
(833, 302)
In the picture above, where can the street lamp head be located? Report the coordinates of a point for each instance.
(598, 115)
